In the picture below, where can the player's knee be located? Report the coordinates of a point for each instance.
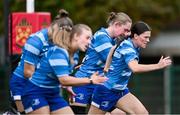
(145, 112)
(137, 110)
(142, 111)
(117, 112)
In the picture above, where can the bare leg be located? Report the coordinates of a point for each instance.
(19, 105)
(42, 110)
(130, 104)
(65, 110)
(118, 112)
(94, 110)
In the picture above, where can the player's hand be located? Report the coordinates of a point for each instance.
(69, 90)
(97, 79)
(164, 62)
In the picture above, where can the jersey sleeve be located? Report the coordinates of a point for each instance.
(102, 46)
(32, 50)
(129, 54)
(59, 62)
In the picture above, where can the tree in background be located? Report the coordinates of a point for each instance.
(161, 14)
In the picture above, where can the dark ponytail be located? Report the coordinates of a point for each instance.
(62, 14)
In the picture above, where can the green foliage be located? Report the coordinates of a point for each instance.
(158, 13)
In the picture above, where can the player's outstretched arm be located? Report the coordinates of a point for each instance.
(138, 68)
(73, 81)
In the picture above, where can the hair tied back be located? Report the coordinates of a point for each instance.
(63, 13)
(112, 15)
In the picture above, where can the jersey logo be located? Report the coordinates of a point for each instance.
(105, 103)
(35, 102)
(80, 96)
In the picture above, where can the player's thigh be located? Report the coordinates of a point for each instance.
(19, 105)
(65, 110)
(42, 110)
(130, 104)
(117, 112)
(94, 110)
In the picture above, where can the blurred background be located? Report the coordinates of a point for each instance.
(159, 90)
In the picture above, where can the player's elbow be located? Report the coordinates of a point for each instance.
(28, 73)
(135, 70)
(28, 70)
(64, 81)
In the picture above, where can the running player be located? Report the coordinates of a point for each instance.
(125, 61)
(35, 47)
(41, 95)
(119, 24)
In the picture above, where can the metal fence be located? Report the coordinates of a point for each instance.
(154, 92)
(175, 90)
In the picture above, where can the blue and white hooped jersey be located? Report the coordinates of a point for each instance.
(35, 47)
(55, 63)
(119, 72)
(96, 54)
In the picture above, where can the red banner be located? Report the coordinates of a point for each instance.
(24, 24)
